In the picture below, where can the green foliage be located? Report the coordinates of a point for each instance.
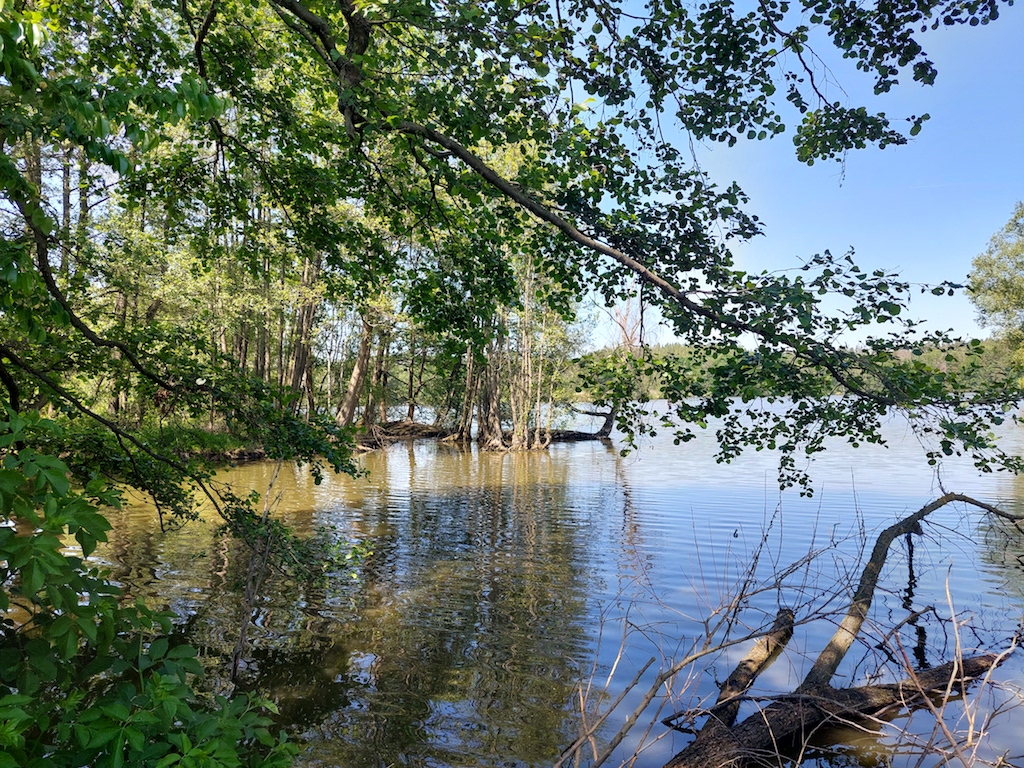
(84, 678)
(997, 278)
(87, 679)
(321, 157)
(474, 168)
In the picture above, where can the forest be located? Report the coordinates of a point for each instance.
(295, 229)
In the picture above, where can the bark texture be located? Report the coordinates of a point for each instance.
(792, 721)
(347, 411)
(764, 652)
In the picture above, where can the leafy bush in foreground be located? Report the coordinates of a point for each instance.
(84, 679)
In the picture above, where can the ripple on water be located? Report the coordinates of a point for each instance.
(497, 581)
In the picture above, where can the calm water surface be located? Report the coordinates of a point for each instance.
(498, 585)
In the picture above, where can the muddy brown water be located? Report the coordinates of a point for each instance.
(499, 586)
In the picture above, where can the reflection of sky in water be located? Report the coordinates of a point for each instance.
(497, 580)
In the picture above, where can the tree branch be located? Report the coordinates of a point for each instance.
(835, 361)
(765, 651)
(791, 720)
(817, 354)
(13, 392)
(119, 433)
(204, 30)
(828, 660)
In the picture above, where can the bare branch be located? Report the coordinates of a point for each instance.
(829, 659)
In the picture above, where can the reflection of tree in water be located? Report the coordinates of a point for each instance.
(457, 642)
(132, 550)
(1002, 543)
(969, 560)
(456, 645)
(474, 606)
(920, 633)
(867, 752)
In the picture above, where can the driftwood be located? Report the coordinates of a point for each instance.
(764, 652)
(382, 434)
(573, 436)
(790, 720)
(606, 426)
(412, 430)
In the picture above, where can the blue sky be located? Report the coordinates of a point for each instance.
(924, 209)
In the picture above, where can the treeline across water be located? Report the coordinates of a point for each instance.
(241, 287)
(372, 342)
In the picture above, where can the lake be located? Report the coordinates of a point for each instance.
(501, 587)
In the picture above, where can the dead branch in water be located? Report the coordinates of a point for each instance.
(767, 648)
(815, 702)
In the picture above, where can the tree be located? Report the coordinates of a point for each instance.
(623, 203)
(407, 113)
(997, 281)
(87, 678)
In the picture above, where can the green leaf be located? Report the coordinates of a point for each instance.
(116, 711)
(67, 647)
(157, 648)
(136, 739)
(32, 577)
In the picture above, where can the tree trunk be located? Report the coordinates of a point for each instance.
(489, 436)
(464, 432)
(347, 410)
(282, 284)
(787, 724)
(609, 421)
(302, 359)
(415, 383)
(83, 198)
(377, 405)
(242, 345)
(541, 430)
(608, 416)
(34, 174)
(117, 396)
(65, 220)
(310, 388)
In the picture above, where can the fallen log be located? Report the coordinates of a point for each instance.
(414, 430)
(765, 650)
(539, 439)
(606, 426)
(573, 436)
(790, 720)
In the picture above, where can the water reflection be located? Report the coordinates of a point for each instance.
(497, 581)
(459, 642)
(471, 611)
